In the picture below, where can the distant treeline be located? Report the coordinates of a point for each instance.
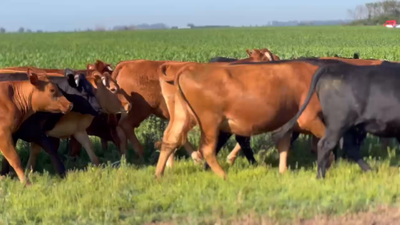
(376, 13)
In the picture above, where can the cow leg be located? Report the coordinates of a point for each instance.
(74, 147)
(195, 155)
(5, 166)
(83, 138)
(10, 154)
(295, 136)
(50, 145)
(352, 141)
(104, 144)
(115, 138)
(34, 151)
(283, 149)
(207, 148)
(385, 142)
(325, 146)
(230, 159)
(130, 134)
(244, 143)
(123, 141)
(175, 135)
(223, 137)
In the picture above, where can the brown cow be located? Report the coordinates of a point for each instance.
(18, 101)
(239, 99)
(107, 94)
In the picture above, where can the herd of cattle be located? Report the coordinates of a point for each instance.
(330, 98)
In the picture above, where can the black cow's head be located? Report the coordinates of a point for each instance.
(79, 91)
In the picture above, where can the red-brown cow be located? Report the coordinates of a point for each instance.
(239, 99)
(19, 99)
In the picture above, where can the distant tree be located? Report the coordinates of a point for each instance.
(21, 30)
(39, 31)
(28, 31)
(375, 12)
(2, 30)
(191, 25)
(174, 28)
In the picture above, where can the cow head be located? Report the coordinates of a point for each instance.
(262, 55)
(80, 92)
(46, 97)
(107, 91)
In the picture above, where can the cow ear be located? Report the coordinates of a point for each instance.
(105, 79)
(269, 56)
(90, 67)
(77, 79)
(33, 77)
(100, 65)
(109, 68)
(70, 75)
(248, 52)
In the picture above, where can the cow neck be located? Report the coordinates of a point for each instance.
(22, 98)
(61, 83)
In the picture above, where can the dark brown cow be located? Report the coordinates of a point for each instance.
(107, 94)
(18, 101)
(241, 99)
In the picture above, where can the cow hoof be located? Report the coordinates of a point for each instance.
(197, 158)
(231, 161)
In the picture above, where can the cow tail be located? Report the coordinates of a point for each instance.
(279, 133)
(189, 107)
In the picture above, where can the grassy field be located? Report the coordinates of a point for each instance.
(187, 194)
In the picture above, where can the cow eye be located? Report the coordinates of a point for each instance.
(52, 90)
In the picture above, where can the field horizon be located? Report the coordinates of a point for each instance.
(129, 194)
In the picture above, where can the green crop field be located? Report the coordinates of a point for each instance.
(187, 194)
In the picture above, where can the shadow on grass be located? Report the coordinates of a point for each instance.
(300, 155)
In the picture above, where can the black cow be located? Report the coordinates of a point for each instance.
(77, 90)
(355, 100)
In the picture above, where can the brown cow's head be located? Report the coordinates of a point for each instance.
(45, 96)
(262, 55)
(107, 90)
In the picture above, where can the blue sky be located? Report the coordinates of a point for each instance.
(53, 15)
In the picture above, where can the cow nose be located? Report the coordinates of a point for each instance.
(113, 90)
(128, 107)
(69, 108)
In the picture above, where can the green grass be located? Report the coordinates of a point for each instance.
(187, 194)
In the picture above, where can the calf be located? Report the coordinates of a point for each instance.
(354, 100)
(21, 96)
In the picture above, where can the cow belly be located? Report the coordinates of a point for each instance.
(70, 124)
(252, 126)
